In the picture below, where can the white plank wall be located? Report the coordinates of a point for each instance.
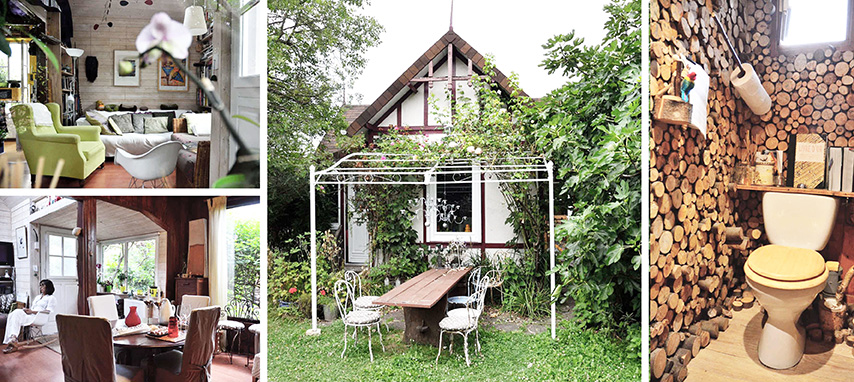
(127, 21)
(18, 216)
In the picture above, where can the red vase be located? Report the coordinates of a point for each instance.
(173, 327)
(132, 319)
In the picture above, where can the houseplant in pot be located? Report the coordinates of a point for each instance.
(330, 307)
(103, 281)
(123, 277)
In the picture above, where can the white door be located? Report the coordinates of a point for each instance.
(248, 42)
(357, 238)
(59, 264)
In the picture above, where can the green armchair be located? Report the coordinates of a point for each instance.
(79, 146)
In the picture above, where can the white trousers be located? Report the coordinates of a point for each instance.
(14, 322)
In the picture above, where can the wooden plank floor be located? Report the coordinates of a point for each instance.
(111, 176)
(733, 357)
(45, 365)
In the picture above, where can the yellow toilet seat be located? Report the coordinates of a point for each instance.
(788, 268)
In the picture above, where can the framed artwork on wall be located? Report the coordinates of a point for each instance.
(21, 242)
(169, 77)
(129, 76)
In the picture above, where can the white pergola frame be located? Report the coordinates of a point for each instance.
(409, 169)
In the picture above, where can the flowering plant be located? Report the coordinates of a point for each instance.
(164, 36)
(102, 280)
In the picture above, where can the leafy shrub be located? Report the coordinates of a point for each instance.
(524, 289)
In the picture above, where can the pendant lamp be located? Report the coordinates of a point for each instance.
(194, 20)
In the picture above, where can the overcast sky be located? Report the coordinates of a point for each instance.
(512, 31)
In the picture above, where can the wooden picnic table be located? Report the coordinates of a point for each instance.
(424, 301)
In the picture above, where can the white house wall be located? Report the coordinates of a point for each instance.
(412, 108)
(497, 230)
(18, 216)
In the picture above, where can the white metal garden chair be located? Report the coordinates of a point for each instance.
(471, 307)
(471, 287)
(361, 302)
(344, 297)
(465, 323)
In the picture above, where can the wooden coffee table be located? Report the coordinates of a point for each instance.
(424, 301)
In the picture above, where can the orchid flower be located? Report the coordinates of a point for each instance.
(166, 34)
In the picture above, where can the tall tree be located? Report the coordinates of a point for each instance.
(590, 128)
(315, 50)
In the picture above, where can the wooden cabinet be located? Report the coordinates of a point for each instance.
(190, 285)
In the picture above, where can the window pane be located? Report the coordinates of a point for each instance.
(805, 22)
(249, 41)
(54, 245)
(244, 262)
(69, 249)
(54, 265)
(112, 261)
(16, 61)
(141, 264)
(70, 266)
(455, 214)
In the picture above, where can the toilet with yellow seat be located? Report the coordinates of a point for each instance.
(787, 274)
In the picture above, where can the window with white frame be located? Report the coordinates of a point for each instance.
(250, 19)
(243, 259)
(457, 212)
(61, 255)
(803, 24)
(134, 257)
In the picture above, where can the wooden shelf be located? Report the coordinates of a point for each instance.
(793, 190)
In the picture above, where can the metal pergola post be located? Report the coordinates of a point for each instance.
(550, 169)
(314, 330)
(399, 169)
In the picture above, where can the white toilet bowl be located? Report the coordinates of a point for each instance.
(787, 275)
(782, 342)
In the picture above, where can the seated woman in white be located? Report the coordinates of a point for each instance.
(43, 303)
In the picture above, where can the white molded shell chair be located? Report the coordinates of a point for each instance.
(156, 164)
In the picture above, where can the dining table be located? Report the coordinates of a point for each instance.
(147, 347)
(424, 299)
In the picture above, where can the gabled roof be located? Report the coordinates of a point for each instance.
(419, 67)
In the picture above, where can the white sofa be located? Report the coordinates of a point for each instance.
(132, 143)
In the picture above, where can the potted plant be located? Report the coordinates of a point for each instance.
(123, 278)
(105, 283)
(330, 307)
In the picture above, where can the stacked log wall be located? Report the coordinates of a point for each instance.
(693, 273)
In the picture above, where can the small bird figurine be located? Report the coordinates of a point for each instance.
(688, 84)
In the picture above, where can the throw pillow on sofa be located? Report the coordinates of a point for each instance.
(139, 122)
(105, 130)
(168, 114)
(198, 124)
(122, 107)
(6, 302)
(122, 122)
(156, 125)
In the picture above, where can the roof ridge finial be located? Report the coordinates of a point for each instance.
(451, 27)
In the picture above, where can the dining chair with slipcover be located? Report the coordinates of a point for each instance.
(194, 363)
(87, 351)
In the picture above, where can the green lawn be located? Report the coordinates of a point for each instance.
(577, 355)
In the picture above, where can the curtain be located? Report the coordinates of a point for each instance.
(217, 251)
